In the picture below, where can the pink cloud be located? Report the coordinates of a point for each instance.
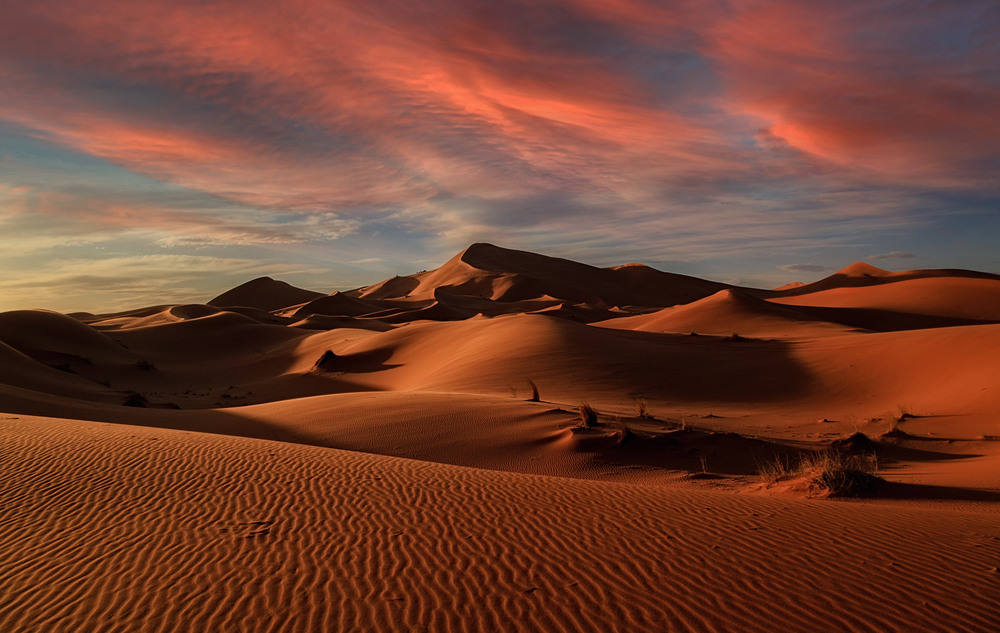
(473, 113)
(860, 84)
(442, 108)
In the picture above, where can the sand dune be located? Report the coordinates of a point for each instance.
(862, 274)
(264, 293)
(505, 275)
(727, 312)
(155, 530)
(951, 297)
(336, 304)
(283, 459)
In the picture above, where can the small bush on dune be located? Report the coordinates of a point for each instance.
(623, 432)
(774, 470)
(588, 416)
(641, 408)
(839, 474)
(842, 474)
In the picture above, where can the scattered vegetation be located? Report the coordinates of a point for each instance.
(588, 416)
(641, 408)
(534, 391)
(838, 473)
(623, 432)
(775, 470)
(894, 430)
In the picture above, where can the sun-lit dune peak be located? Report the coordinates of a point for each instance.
(862, 269)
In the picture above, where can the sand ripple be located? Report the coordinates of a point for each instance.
(116, 528)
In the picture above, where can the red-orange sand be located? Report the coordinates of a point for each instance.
(283, 460)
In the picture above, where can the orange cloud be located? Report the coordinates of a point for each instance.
(869, 86)
(409, 112)
(459, 116)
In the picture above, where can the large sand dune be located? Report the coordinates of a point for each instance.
(282, 459)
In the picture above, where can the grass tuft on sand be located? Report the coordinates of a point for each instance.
(834, 473)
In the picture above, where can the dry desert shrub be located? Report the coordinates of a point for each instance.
(623, 432)
(588, 416)
(838, 473)
(641, 408)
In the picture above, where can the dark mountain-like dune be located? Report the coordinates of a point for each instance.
(335, 304)
(499, 274)
(264, 293)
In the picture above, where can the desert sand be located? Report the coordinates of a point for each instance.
(281, 459)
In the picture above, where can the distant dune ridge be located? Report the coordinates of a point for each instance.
(280, 459)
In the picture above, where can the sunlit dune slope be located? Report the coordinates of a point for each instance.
(862, 274)
(727, 312)
(951, 297)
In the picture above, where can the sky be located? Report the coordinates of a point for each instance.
(164, 151)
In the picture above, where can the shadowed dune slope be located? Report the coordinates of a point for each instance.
(335, 304)
(151, 530)
(23, 372)
(569, 361)
(50, 336)
(264, 293)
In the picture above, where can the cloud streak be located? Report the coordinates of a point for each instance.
(893, 255)
(804, 268)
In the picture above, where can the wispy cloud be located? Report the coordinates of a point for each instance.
(804, 268)
(893, 255)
